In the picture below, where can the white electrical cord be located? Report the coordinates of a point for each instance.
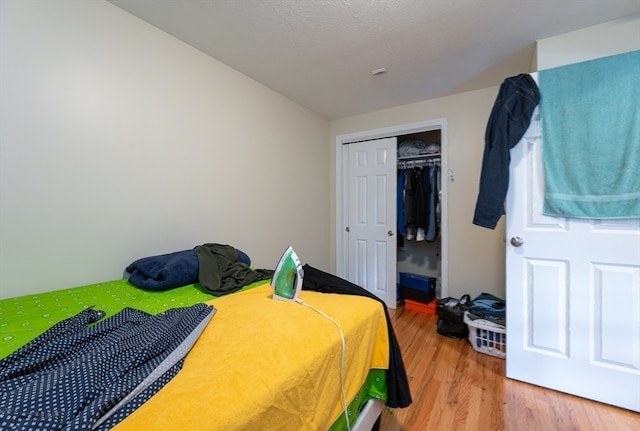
(344, 398)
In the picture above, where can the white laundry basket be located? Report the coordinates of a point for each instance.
(486, 336)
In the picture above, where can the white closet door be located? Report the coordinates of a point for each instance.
(371, 219)
(573, 293)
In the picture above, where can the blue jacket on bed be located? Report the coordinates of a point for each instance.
(168, 271)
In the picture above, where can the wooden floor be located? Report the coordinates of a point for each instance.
(456, 388)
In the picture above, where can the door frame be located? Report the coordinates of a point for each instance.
(341, 195)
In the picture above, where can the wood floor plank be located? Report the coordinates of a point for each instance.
(456, 388)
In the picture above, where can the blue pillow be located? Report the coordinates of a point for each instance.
(243, 257)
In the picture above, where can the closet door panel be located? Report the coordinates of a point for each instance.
(371, 221)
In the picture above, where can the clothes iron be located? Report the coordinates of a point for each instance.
(287, 278)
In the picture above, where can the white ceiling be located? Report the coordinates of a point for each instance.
(320, 53)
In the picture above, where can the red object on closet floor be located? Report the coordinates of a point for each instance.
(429, 308)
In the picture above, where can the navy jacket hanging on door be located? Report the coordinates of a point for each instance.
(509, 120)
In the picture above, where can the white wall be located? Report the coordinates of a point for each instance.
(118, 141)
(609, 38)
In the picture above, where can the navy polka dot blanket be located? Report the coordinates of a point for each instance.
(85, 373)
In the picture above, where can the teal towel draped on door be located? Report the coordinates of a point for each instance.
(590, 120)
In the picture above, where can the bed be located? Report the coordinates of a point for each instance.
(257, 364)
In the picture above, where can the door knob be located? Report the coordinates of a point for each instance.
(390, 233)
(517, 241)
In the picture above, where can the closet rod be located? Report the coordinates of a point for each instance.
(418, 163)
(420, 156)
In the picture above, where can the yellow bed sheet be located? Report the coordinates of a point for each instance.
(270, 365)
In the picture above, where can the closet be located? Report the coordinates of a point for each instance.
(369, 251)
(419, 204)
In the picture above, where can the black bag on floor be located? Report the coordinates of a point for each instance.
(450, 312)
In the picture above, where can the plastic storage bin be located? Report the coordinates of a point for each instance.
(485, 336)
(429, 308)
(415, 287)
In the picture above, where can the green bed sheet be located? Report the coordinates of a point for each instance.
(24, 318)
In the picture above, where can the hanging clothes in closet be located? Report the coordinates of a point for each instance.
(418, 195)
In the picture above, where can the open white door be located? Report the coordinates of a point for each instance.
(371, 219)
(573, 293)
